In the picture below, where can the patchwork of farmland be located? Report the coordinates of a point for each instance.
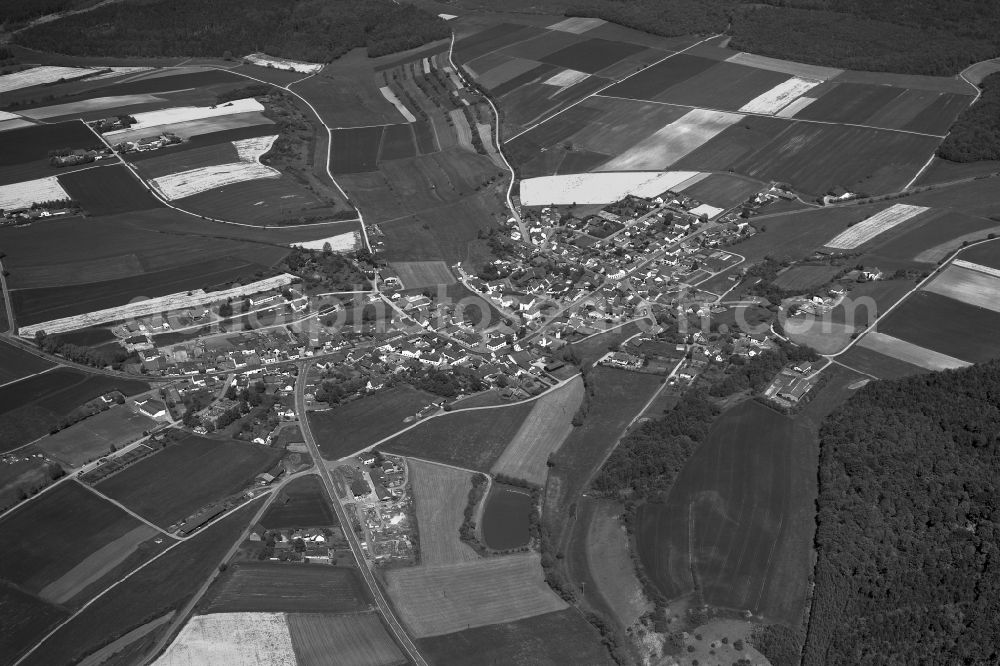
(591, 188)
(96, 436)
(300, 503)
(945, 326)
(16, 363)
(864, 231)
(108, 190)
(434, 600)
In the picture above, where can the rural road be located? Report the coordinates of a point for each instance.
(387, 612)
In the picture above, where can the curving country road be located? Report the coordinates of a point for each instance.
(390, 617)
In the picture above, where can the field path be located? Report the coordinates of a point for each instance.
(128, 510)
(392, 622)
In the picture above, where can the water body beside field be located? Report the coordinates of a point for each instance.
(506, 518)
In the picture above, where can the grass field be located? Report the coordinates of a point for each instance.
(355, 150)
(25, 619)
(723, 190)
(159, 587)
(167, 487)
(345, 429)
(33, 406)
(945, 325)
(291, 587)
(797, 234)
(984, 254)
(471, 438)
(599, 555)
(96, 436)
(806, 277)
(27, 144)
(729, 516)
(417, 274)
(544, 430)
(877, 364)
(654, 80)
(342, 640)
(345, 93)
(15, 363)
(398, 142)
(528, 642)
(440, 494)
(440, 600)
(301, 503)
(725, 86)
(35, 558)
(909, 352)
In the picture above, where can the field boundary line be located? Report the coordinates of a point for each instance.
(441, 464)
(127, 576)
(766, 115)
(128, 510)
(597, 92)
(19, 379)
(441, 413)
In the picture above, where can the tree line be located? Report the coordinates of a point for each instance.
(975, 136)
(312, 30)
(935, 37)
(908, 566)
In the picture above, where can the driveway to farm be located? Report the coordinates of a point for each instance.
(391, 621)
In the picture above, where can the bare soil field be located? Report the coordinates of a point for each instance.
(96, 436)
(470, 438)
(240, 639)
(544, 430)
(418, 274)
(668, 145)
(342, 640)
(285, 586)
(439, 600)
(346, 429)
(441, 494)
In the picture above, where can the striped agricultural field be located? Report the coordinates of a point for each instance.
(869, 228)
(673, 141)
(969, 283)
(785, 67)
(909, 352)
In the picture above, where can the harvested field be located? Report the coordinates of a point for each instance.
(806, 277)
(301, 503)
(527, 642)
(877, 364)
(288, 587)
(95, 436)
(598, 188)
(398, 143)
(910, 353)
(16, 364)
(864, 231)
(239, 639)
(576, 25)
(611, 125)
(37, 559)
(785, 66)
(417, 274)
(946, 326)
(439, 600)
(342, 640)
(652, 81)
(108, 190)
(392, 99)
(269, 201)
(189, 183)
(22, 195)
(265, 60)
(542, 433)
(346, 242)
(962, 282)
(470, 438)
(441, 494)
(774, 100)
(505, 71)
(93, 104)
(96, 565)
(750, 475)
(39, 76)
(159, 587)
(793, 109)
(349, 428)
(183, 114)
(674, 141)
(460, 125)
(355, 150)
(565, 78)
(169, 486)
